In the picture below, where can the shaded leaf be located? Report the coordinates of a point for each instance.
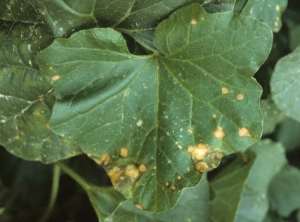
(272, 115)
(19, 11)
(268, 11)
(285, 191)
(25, 98)
(240, 189)
(191, 205)
(144, 117)
(285, 84)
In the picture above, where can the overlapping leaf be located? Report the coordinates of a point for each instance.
(192, 206)
(25, 101)
(240, 190)
(285, 191)
(285, 84)
(153, 119)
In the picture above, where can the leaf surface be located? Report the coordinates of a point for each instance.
(25, 100)
(285, 84)
(149, 119)
(268, 11)
(240, 189)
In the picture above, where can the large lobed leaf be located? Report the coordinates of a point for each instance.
(285, 84)
(25, 98)
(240, 190)
(156, 122)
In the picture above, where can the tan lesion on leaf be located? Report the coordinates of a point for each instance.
(104, 160)
(240, 96)
(41, 97)
(132, 172)
(17, 137)
(173, 187)
(167, 183)
(142, 168)
(55, 77)
(194, 21)
(124, 152)
(47, 126)
(139, 206)
(244, 132)
(201, 166)
(179, 177)
(115, 174)
(219, 133)
(214, 116)
(224, 90)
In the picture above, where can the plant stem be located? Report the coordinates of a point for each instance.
(53, 196)
(73, 175)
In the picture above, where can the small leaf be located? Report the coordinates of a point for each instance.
(192, 204)
(240, 189)
(285, 191)
(149, 119)
(268, 11)
(25, 98)
(285, 84)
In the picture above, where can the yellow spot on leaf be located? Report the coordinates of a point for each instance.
(22, 132)
(224, 91)
(179, 178)
(17, 137)
(214, 116)
(55, 78)
(123, 152)
(142, 168)
(139, 206)
(173, 188)
(105, 158)
(194, 21)
(275, 23)
(277, 8)
(201, 166)
(89, 154)
(132, 172)
(51, 67)
(47, 126)
(240, 96)
(219, 133)
(154, 168)
(244, 132)
(167, 183)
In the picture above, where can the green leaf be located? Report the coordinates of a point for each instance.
(2, 209)
(284, 191)
(283, 134)
(192, 204)
(25, 98)
(268, 11)
(285, 84)
(240, 188)
(272, 115)
(147, 119)
(19, 11)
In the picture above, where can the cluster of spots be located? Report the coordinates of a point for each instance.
(244, 132)
(173, 187)
(225, 91)
(204, 156)
(125, 174)
(276, 23)
(219, 133)
(104, 159)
